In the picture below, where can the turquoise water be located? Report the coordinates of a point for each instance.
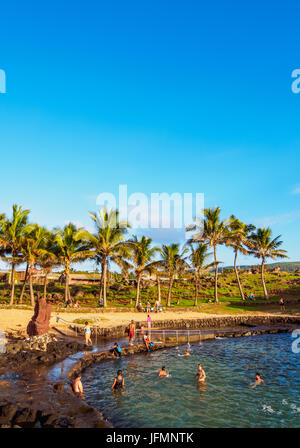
(227, 399)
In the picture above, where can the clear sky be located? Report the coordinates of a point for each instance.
(164, 96)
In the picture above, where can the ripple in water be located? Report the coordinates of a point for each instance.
(226, 400)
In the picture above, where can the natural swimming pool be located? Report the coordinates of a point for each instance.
(226, 400)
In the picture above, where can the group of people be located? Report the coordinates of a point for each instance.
(119, 383)
(149, 308)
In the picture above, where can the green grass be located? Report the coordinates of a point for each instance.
(182, 293)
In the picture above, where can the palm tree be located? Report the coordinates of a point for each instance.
(107, 243)
(11, 235)
(213, 232)
(69, 248)
(263, 246)
(33, 246)
(198, 259)
(238, 240)
(173, 262)
(48, 260)
(142, 254)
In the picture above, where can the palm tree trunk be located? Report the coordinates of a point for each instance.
(104, 284)
(45, 285)
(67, 295)
(108, 280)
(31, 289)
(12, 279)
(24, 284)
(138, 289)
(237, 276)
(170, 291)
(196, 290)
(216, 275)
(263, 279)
(101, 283)
(158, 290)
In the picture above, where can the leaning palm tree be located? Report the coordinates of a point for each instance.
(214, 232)
(198, 260)
(69, 248)
(172, 261)
(33, 246)
(11, 235)
(107, 243)
(263, 247)
(238, 240)
(142, 254)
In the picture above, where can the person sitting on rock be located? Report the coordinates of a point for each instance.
(148, 342)
(116, 350)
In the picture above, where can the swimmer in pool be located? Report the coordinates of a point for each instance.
(258, 379)
(163, 372)
(201, 375)
(118, 382)
(186, 353)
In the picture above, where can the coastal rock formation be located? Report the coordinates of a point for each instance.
(40, 321)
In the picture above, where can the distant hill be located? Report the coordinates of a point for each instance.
(286, 266)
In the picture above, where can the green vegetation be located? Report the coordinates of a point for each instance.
(178, 276)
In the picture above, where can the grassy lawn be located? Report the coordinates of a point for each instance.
(121, 295)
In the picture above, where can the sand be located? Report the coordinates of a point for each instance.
(14, 321)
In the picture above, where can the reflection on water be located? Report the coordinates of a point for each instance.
(224, 400)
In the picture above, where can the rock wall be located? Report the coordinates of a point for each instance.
(201, 324)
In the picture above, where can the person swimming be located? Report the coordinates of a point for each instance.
(186, 353)
(118, 382)
(258, 379)
(163, 372)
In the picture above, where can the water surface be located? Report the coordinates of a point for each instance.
(226, 400)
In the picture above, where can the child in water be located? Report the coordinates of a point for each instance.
(163, 372)
(87, 334)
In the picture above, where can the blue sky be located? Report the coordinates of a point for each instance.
(164, 96)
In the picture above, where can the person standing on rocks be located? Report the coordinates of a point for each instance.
(131, 332)
(87, 334)
(149, 321)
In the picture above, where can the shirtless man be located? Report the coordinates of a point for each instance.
(131, 332)
(77, 386)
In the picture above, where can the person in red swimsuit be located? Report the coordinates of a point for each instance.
(131, 332)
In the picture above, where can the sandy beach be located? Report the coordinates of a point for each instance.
(14, 321)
